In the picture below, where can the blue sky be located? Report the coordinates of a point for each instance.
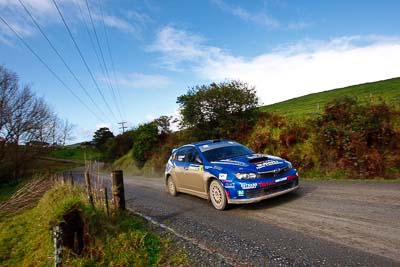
(161, 48)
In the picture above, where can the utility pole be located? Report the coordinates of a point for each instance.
(123, 127)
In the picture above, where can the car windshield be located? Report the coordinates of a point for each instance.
(226, 152)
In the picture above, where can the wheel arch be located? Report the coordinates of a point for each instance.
(208, 182)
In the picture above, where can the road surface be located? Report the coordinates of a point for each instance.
(323, 223)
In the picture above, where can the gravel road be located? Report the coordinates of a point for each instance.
(323, 223)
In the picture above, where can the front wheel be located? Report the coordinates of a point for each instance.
(171, 186)
(217, 195)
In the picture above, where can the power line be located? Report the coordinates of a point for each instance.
(49, 69)
(83, 58)
(102, 57)
(61, 58)
(110, 54)
(90, 38)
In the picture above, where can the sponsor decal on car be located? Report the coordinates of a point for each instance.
(194, 168)
(248, 186)
(222, 176)
(229, 185)
(266, 163)
(240, 193)
(280, 179)
(263, 184)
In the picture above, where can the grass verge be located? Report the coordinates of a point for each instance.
(116, 240)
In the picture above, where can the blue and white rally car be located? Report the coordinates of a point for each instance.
(227, 172)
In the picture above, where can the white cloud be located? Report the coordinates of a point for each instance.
(137, 80)
(117, 23)
(299, 25)
(291, 70)
(104, 125)
(263, 19)
(178, 46)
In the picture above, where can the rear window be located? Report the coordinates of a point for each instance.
(226, 152)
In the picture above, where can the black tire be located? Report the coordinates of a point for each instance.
(217, 195)
(171, 188)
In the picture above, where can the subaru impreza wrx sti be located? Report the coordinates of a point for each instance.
(227, 172)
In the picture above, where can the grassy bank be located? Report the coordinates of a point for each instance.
(128, 165)
(78, 153)
(116, 240)
(300, 107)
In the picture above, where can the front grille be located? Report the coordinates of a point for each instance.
(273, 173)
(258, 192)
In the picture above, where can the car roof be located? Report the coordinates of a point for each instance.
(217, 142)
(209, 142)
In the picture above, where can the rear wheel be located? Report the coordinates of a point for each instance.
(171, 186)
(217, 195)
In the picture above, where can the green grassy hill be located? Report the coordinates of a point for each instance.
(79, 153)
(387, 90)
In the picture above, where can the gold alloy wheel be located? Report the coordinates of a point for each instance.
(171, 186)
(217, 195)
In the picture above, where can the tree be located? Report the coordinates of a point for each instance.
(101, 136)
(24, 119)
(145, 137)
(220, 110)
(65, 130)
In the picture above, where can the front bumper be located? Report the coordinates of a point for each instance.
(260, 198)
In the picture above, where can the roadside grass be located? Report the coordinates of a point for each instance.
(321, 175)
(78, 153)
(116, 240)
(128, 165)
(301, 107)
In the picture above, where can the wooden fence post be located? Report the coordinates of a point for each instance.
(106, 201)
(89, 188)
(58, 245)
(118, 189)
(72, 178)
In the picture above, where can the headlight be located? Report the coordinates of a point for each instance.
(245, 176)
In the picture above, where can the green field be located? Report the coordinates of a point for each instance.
(387, 90)
(78, 153)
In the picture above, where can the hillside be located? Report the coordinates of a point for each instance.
(388, 90)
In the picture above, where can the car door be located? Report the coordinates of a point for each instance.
(192, 176)
(180, 164)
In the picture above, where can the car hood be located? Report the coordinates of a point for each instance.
(251, 163)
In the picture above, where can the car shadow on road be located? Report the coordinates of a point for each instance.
(282, 200)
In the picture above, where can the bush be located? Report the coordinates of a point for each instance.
(357, 138)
